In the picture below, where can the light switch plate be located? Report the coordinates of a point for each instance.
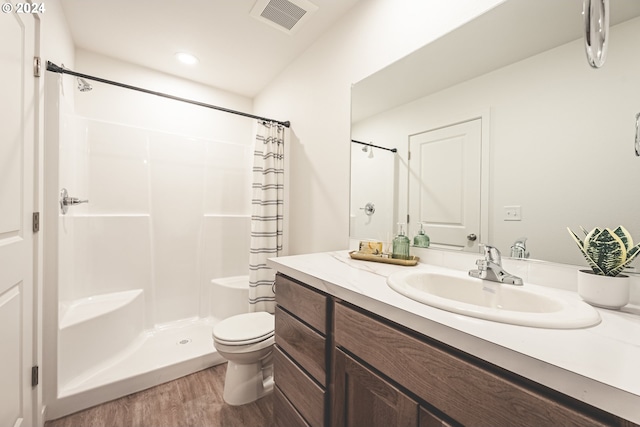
(512, 213)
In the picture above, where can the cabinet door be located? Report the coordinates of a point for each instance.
(362, 398)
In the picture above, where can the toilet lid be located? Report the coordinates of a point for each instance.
(245, 328)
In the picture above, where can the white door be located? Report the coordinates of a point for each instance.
(444, 184)
(17, 146)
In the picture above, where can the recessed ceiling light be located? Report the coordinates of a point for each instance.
(186, 58)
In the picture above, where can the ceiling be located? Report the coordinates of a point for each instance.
(237, 52)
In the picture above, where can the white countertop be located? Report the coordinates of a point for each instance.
(599, 365)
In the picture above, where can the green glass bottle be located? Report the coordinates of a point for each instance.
(401, 243)
(421, 240)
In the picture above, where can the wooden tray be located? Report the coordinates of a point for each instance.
(378, 258)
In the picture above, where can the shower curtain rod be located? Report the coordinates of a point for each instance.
(393, 150)
(57, 69)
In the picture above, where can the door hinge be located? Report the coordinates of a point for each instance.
(36, 222)
(37, 66)
(409, 155)
(34, 376)
(408, 220)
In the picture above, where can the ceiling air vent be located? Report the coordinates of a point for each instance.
(284, 15)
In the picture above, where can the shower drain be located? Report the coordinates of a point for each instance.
(184, 341)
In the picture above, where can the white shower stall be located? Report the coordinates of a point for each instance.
(129, 301)
(374, 195)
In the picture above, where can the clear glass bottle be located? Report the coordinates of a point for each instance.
(421, 240)
(400, 244)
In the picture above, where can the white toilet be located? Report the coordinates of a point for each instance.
(246, 342)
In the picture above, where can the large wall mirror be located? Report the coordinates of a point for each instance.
(508, 125)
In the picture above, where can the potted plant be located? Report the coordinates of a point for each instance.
(608, 252)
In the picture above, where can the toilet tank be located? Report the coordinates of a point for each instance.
(229, 296)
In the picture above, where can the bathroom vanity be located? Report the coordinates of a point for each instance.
(352, 352)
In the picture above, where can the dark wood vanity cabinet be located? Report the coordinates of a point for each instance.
(353, 368)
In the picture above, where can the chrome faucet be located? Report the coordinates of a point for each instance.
(490, 268)
(519, 248)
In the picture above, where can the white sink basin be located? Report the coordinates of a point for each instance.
(527, 305)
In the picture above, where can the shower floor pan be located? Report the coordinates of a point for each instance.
(90, 374)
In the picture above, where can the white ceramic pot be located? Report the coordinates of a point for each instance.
(603, 291)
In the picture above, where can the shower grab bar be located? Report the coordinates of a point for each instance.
(66, 201)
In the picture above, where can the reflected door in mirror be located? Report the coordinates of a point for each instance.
(444, 184)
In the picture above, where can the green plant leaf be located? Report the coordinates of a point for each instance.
(606, 250)
(576, 238)
(592, 235)
(583, 230)
(624, 235)
(632, 254)
(596, 269)
(594, 266)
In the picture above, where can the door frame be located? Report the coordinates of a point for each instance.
(37, 400)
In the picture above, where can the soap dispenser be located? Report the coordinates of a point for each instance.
(421, 240)
(400, 246)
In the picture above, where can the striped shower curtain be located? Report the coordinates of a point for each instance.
(267, 208)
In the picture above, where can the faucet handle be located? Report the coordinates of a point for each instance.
(482, 264)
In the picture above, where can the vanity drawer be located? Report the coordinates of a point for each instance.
(469, 391)
(305, 303)
(301, 391)
(287, 415)
(302, 344)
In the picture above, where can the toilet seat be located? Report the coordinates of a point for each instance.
(228, 350)
(244, 329)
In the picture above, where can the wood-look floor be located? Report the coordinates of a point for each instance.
(194, 401)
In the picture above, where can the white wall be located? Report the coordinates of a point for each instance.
(113, 104)
(55, 41)
(314, 94)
